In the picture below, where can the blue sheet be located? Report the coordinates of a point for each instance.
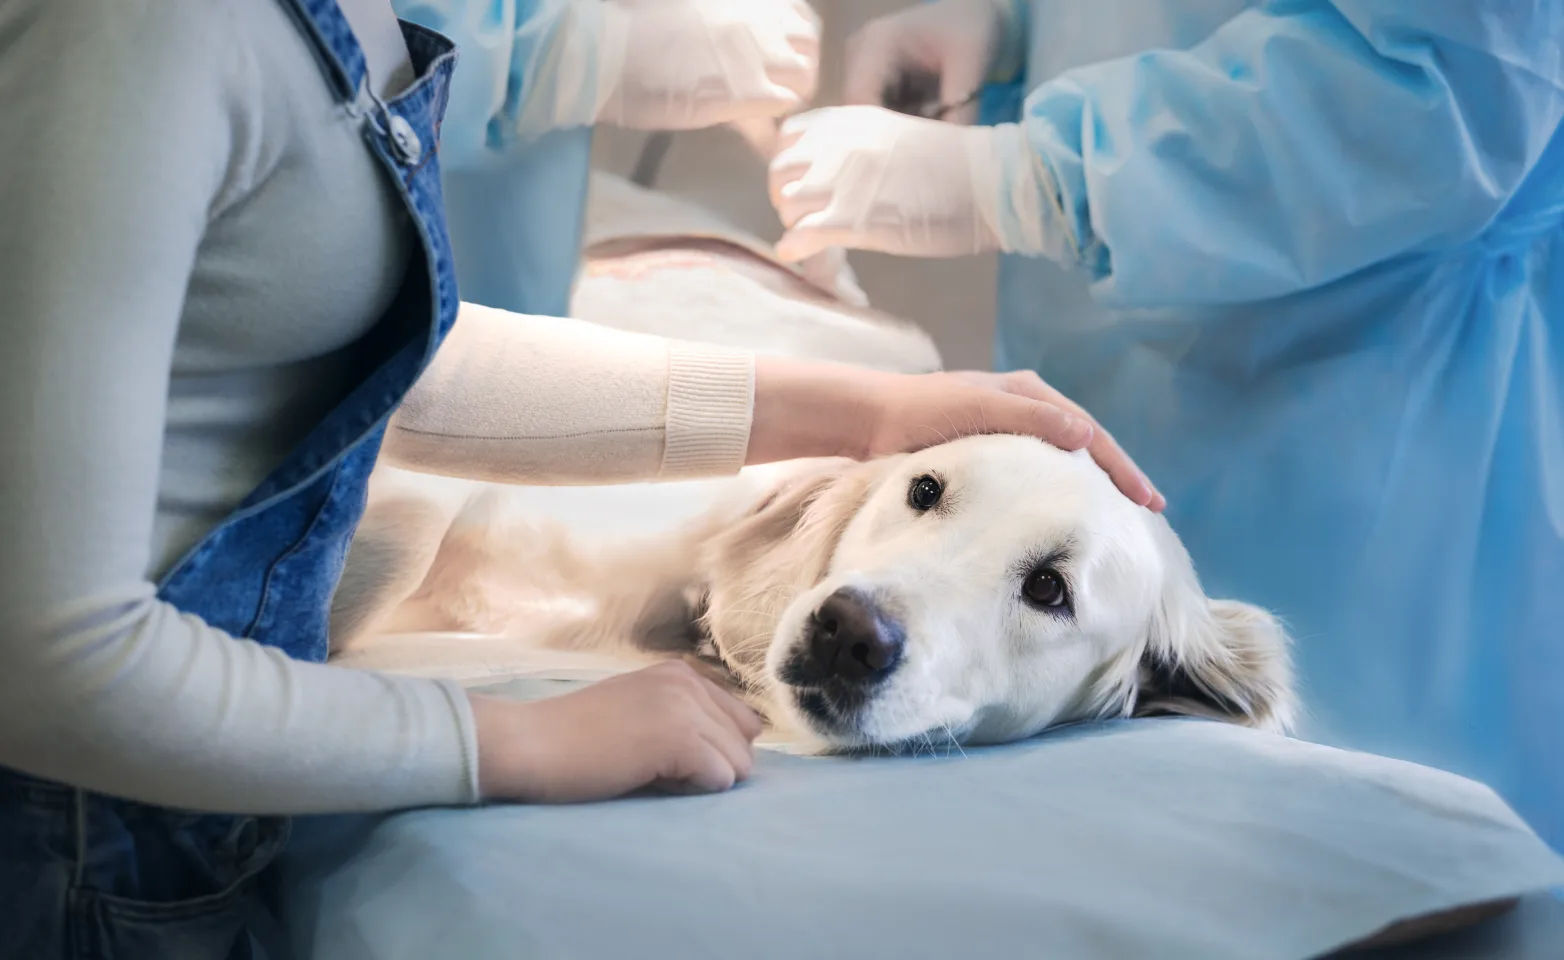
(1154, 838)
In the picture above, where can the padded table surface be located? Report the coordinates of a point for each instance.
(1148, 838)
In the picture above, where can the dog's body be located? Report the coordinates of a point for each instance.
(976, 592)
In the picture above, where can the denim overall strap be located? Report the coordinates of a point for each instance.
(267, 572)
(88, 876)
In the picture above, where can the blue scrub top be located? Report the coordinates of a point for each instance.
(515, 198)
(1312, 287)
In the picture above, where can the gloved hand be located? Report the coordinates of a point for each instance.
(687, 64)
(959, 42)
(827, 270)
(867, 178)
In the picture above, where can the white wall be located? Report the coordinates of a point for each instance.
(952, 299)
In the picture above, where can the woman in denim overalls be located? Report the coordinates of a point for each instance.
(86, 875)
(113, 878)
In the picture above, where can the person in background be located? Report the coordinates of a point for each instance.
(1302, 259)
(225, 272)
(534, 77)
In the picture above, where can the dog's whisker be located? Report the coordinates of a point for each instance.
(953, 741)
(745, 643)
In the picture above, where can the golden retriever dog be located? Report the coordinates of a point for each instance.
(979, 591)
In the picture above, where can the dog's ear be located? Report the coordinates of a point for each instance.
(1209, 658)
(780, 546)
(793, 528)
(1218, 659)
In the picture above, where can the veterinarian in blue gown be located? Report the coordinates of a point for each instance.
(1303, 260)
(534, 76)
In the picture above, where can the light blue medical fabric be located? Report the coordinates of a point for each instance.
(1170, 839)
(516, 225)
(515, 194)
(508, 65)
(1312, 285)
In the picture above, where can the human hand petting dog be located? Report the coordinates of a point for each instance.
(826, 410)
(665, 727)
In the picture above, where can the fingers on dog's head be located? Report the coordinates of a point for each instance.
(1014, 413)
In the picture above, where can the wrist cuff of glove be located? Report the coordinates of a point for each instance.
(613, 38)
(577, 69)
(1018, 197)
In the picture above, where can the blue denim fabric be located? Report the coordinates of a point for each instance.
(87, 876)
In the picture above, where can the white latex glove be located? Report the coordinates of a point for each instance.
(869, 179)
(687, 64)
(827, 270)
(956, 41)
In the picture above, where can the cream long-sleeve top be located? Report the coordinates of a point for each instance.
(192, 239)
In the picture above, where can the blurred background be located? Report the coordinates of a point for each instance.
(952, 299)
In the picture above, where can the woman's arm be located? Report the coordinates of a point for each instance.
(117, 119)
(542, 400)
(526, 399)
(1298, 144)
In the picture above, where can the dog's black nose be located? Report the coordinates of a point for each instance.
(851, 639)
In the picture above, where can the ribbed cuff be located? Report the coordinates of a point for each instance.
(1017, 197)
(711, 403)
(467, 732)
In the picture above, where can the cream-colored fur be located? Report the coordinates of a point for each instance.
(739, 587)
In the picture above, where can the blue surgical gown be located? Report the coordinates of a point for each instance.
(515, 197)
(1314, 282)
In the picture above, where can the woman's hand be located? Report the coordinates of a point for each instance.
(824, 410)
(665, 727)
(1103, 448)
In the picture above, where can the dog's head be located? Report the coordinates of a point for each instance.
(978, 591)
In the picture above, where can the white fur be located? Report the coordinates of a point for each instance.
(980, 664)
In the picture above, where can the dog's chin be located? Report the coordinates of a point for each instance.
(841, 719)
(833, 713)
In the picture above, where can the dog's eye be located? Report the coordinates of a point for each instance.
(924, 493)
(1045, 588)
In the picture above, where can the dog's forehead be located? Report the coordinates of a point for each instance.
(1025, 469)
(1049, 497)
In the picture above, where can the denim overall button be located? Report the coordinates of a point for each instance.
(408, 147)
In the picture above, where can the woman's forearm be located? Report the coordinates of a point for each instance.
(127, 696)
(547, 400)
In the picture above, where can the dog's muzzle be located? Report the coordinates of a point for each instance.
(850, 645)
